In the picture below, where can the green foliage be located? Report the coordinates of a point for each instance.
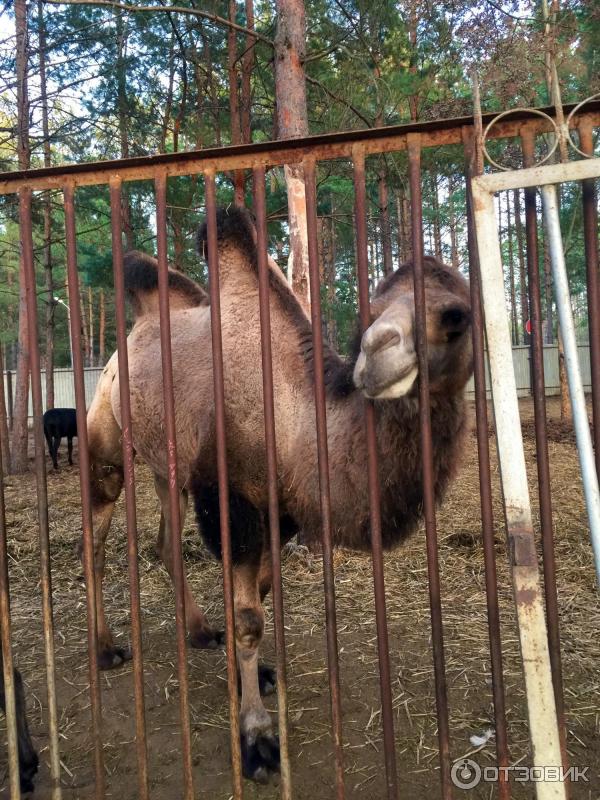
(134, 84)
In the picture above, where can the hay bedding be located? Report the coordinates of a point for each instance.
(467, 655)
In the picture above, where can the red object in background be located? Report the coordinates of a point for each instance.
(528, 327)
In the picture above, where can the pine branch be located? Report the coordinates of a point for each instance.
(169, 10)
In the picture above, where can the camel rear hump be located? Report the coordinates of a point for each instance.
(141, 285)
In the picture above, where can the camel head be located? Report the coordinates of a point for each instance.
(386, 367)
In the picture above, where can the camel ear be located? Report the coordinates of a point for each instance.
(454, 321)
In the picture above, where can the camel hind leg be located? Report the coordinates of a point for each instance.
(106, 481)
(201, 633)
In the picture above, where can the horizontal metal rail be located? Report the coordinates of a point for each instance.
(268, 154)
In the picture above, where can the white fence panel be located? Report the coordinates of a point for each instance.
(64, 390)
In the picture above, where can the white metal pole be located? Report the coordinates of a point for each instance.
(567, 326)
(533, 636)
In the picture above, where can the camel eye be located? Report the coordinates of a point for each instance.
(454, 322)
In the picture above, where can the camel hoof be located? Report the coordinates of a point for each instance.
(260, 756)
(113, 657)
(207, 639)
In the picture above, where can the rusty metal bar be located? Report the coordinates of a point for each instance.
(322, 147)
(84, 485)
(7, 657)
(41, 484)
(433, 569)
(485, 484)
(174, 489)
(590, 229)
(541, 442)
(260, 211)
(541, 707)
(129, 483)
(323, 467)
(221, 443)
(383, 649)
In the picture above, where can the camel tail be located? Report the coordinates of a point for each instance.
(141, 285)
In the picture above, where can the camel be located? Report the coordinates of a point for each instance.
(106, 463)
(382, 369)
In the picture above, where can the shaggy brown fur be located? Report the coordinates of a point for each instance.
(383, 368)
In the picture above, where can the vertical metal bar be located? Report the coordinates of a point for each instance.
(7, 658)
(129, 484)
(383, 649)
(221, 442)
(271, 448)
(590, 231)
(543, 723)
(485, 484)
(42, 488)
(433, 570)
(323, 467)
(84, 484)
(580, 418)
(541, 441)
(174, 489)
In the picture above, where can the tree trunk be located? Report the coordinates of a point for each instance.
(452, 223)
(4, 436)
(234, 103)
(21, 403)
(437, 231)
(384, 220)
(84, 329)
(511, 267)
(123, 113)
(549, 333)
(522, 270)
(162, 145)
(292, 122)
(47, 212)
(102, 330)
(91, 328)
(248, 60)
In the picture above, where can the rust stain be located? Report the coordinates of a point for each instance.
(526, 597)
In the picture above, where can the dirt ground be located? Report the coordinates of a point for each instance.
(466, 642)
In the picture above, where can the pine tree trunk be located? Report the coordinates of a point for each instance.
(511, 267)
(522, 270)
(437, 232)
(123, 113)
(91, 328)
(47, 213)
(234, 103)
(102, 330)
(4, 436)
(248, 60)
(20, 433)
(452, 224)
(84, 329)
(292, 122)
(549, 337)
(384, 221)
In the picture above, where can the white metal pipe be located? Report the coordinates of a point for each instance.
(585, 449)
(541, 707)
(538, 176)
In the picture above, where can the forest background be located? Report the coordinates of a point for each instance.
(86, 80)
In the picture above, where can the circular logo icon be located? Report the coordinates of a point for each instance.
(465, 773)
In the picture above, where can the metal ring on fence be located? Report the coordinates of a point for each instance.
(514, 111)
(570, 117)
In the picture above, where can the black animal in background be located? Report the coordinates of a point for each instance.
(28, 758)
(59, 422)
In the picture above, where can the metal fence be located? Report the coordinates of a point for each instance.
(64, 386)
(354, 147)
